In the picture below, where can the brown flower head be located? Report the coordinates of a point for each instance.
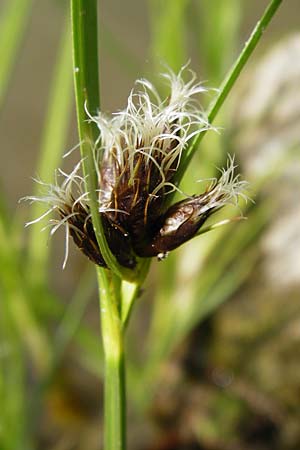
(136, 160)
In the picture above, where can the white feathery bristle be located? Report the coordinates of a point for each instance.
(67, 191)
(149, 124)
(225, 190)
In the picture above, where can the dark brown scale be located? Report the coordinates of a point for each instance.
(86, 242)
(138, 223)
(132, 197)
(82, 232)
(162, 244)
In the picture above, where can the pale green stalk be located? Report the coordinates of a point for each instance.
(113, 345)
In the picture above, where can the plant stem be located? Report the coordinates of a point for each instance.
(230, 80)
(85, 54)
(86, 78)
(114, 389)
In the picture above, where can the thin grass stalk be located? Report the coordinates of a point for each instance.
(86, 78)
(230, 80)
(113, 345)
(84, 15)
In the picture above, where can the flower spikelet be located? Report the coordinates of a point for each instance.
(137, 155)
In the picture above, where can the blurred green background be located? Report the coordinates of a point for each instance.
(214, 340)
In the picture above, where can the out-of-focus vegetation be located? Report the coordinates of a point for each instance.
(214, 342)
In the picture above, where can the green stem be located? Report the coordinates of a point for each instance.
(86, 79)
(114, 389)
(85, 55)
(230, 80)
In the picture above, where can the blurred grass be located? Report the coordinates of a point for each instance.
(12, 27)
(53, 144)
(12, 383)
(168, 42)
(213, 21)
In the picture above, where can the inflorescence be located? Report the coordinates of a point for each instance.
(136, 160)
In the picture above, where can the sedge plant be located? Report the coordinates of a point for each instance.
(118, 203)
